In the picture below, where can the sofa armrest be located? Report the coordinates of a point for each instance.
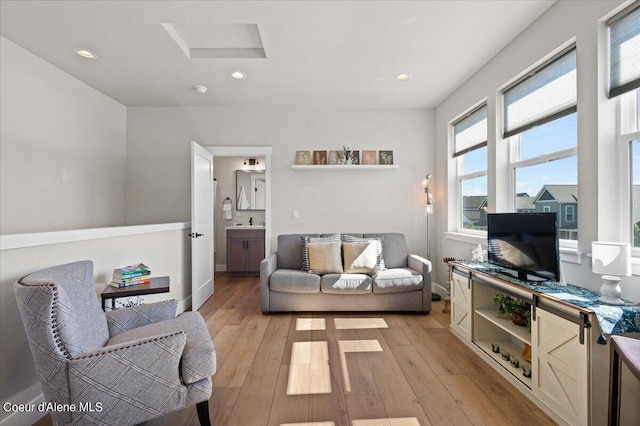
(423, 266)
(419, 264)
(267, 267)
(125, 319)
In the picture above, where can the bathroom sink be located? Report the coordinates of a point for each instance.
(245, 227)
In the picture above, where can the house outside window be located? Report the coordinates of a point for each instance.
(470, 155)
(540, 112)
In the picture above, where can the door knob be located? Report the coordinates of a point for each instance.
(195, 235)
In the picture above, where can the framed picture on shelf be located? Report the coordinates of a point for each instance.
(303, 158)
(355, 157)
(385, 157)
(333, 157)
(369, 158)
(320, 158)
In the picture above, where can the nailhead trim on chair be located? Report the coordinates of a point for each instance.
(128, 346)
(54, 321)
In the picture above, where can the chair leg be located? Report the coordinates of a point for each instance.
(203, 413)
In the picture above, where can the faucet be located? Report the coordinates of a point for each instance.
(250, 221)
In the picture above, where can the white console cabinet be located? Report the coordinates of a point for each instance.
(560, 342)
(461, 303)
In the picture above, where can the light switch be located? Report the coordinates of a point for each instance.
(294, 213)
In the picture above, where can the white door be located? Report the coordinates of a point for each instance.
(201, 225)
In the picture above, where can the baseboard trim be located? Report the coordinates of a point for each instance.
(24, 397)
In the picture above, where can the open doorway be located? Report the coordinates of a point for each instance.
(230, 160)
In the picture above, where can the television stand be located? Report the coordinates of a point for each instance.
(561, 342)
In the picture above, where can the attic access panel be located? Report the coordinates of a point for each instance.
(217, 41)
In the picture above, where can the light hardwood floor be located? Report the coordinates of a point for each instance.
(417, 371)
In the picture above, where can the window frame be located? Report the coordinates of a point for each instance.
(513, 137)
(628, 133)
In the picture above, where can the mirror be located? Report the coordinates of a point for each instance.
(250, 190)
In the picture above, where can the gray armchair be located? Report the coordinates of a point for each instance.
(123, 367)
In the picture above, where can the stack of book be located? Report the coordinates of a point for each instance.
(131, 275)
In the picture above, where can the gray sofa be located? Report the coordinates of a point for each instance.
(404, 286)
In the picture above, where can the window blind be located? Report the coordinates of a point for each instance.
(624, 50)
(546, 94)
(470, 132)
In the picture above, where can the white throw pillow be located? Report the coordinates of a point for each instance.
(360, 257)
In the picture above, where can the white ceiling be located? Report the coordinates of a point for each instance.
(318, 53)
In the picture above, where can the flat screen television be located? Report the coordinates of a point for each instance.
(526, 243)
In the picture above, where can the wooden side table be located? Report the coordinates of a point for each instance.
(157, 285)
(623, 350)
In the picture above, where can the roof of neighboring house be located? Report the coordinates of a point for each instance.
(561, 193)
(525, 203)
(473, 201)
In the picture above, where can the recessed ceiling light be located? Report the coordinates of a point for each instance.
(403, 76)
(87, 54)
(238, 75)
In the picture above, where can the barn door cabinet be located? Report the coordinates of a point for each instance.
(245, 250)
(560, 342)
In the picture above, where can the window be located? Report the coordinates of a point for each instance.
(540, 122)
(568, 213)
(624, 81)
(630, 154)
(624, 50)
(470, 154)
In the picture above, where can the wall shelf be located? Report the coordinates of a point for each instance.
(359, 167)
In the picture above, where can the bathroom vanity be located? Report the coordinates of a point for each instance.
(245, 250)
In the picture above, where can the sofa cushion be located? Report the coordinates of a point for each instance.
(346, 284)
(294, 281)
(397, 280)
(394, 249)
(305, 250)
(360, 257)
(325, 258)
(380, 265)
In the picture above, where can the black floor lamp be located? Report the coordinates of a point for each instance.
(428, 211)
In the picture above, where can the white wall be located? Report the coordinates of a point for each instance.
(62, 148)
(341, 201)
(166, 253)
(596, 122)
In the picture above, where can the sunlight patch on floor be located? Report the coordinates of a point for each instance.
(359, 323)
(310, 324)
(310, 424)
(405, 421)
(346, 346)
(309, 370)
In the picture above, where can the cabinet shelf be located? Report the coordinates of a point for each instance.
(520, 333)
(512, 349)
(359, 167)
